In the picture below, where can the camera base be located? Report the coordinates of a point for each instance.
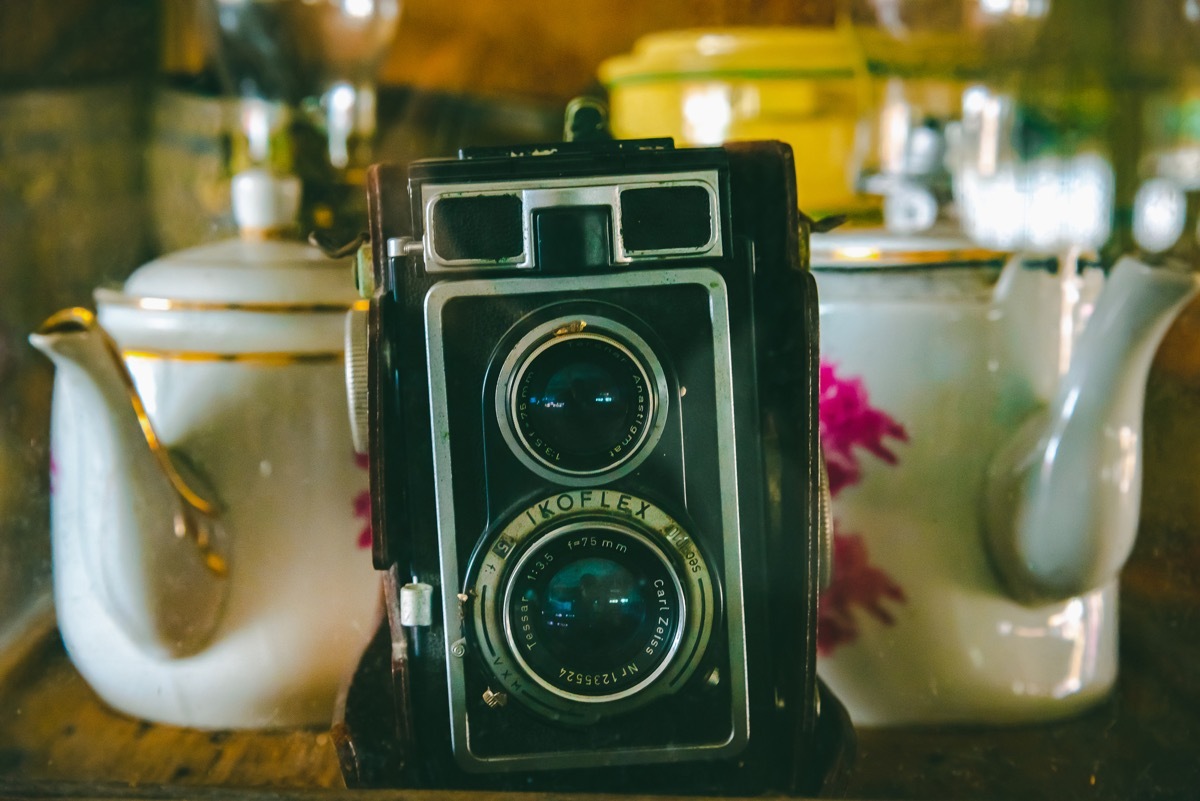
(378, 745)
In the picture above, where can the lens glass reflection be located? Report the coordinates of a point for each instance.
(582, 404)
(593, 608)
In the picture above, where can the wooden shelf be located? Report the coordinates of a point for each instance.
(57, 739)
(54, 729)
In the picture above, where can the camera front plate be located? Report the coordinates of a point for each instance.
(469, 756)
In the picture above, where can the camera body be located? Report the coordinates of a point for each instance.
(592, 380)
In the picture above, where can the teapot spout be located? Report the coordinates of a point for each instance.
(1062, 497)
(149, 536)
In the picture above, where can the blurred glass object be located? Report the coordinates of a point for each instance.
(193, 135)
(921, 56)
(1094, 142)
(708, 86)
(304, 71)
(1166, 167)
(202, 133)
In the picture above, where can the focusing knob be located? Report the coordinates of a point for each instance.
(824, 522)
(356, 377)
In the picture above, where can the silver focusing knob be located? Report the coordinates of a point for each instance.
(356, 377)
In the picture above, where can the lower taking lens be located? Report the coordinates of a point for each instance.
(594, 611)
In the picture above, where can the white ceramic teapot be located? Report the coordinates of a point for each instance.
(982, 424)
(210, 560)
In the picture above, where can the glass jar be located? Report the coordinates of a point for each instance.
(922, 56)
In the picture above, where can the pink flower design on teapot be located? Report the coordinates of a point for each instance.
(849, 422)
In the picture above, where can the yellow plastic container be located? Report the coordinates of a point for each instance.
(709, 86)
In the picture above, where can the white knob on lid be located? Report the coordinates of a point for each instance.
(263, 201)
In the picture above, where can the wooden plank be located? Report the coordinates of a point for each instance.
(25, 790)
(68, 42)
(53, 728)
(24, 638)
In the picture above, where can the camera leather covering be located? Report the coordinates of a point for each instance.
(442, 358)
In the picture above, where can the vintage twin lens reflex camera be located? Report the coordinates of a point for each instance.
(594, 469)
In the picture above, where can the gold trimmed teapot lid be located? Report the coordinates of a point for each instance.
(881, 249)
(259, 269)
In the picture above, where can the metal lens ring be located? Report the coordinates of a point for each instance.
(590, 603)
(580, 397)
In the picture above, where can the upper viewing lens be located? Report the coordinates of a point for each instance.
(582, 403)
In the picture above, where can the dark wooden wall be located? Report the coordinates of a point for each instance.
(536, 49)
(551, 48)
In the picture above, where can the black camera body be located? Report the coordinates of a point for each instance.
(594, 469)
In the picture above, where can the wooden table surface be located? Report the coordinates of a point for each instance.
(57, 738)
(54, 729)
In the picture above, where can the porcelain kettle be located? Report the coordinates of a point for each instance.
(209, 516)
(982, 415)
